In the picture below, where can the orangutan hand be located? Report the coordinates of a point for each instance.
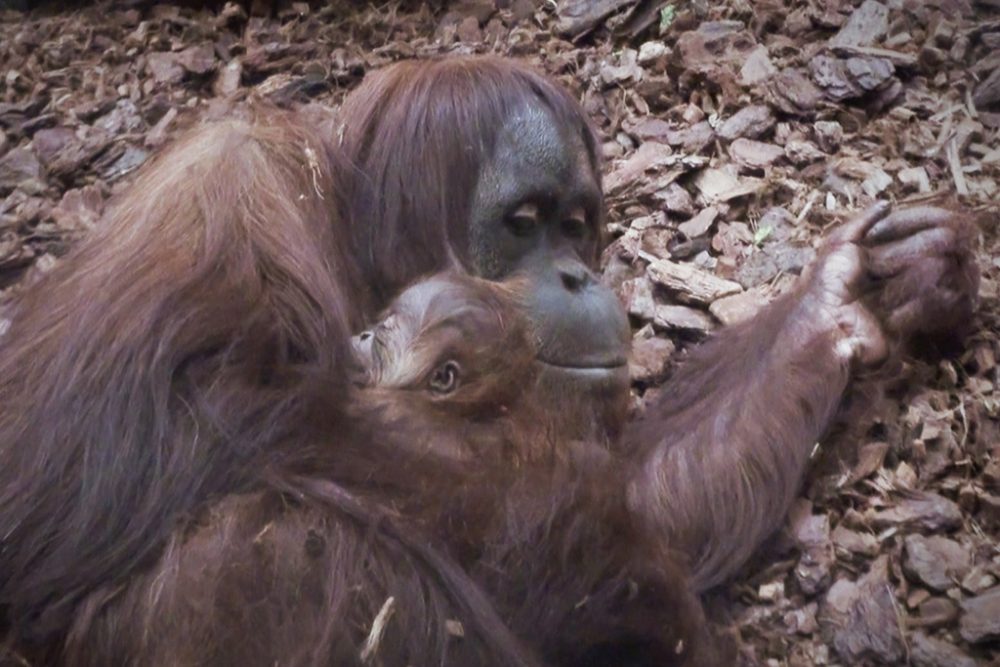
(925, 277)
(886, 278)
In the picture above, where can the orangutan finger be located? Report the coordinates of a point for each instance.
(908, 221)
(854, 229)
(891, 258)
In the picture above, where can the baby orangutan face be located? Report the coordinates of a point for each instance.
(450, 346)
(457, 353)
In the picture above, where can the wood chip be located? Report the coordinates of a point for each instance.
(867, 24)
(691, 285)
(682, 318)
(699, 224)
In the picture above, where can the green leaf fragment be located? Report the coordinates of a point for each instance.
(761, 234)
(667, 16)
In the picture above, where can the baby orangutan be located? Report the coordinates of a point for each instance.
(537, 520)
(452, 529)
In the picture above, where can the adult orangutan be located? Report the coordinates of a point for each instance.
(197, 345)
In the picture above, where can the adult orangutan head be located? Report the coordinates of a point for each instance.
(483, 165)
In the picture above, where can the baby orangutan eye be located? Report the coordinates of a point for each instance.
(444, 379)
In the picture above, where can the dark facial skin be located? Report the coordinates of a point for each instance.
(536, 213)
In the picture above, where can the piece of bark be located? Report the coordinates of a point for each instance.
(699, 224)
(859, 618)
(766, 263)
(158, 134)
(829, 135)
(49, 142)
(228, 79)
(866, 25)
(793, 92)
(801, 153)
(691, 139)
(851, 78)
(750, 121)
(897, 58)
(647, 157)
(935, 612)
(757, 68)
(690, 284)
(164, 68)
(854, 542)
(927, 651)
(721, 185)
(755, 154)
(924, 510)
(675, 199)
(579, 16)
(198, 59)
(915, 178)
(988, 91)
(980, 620)
(79, 208)
(637, 294)
(738, 307)
(935, 561)
(682, 318)
(650, 355)
(17, 166)
(812, 536)
(978, 580)
(715, 44)
(653, 54)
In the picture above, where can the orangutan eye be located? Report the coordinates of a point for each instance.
(444, 379)
(523, 221)
(574, 228)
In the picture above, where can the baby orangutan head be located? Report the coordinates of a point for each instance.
(450, 346)
(458, 354)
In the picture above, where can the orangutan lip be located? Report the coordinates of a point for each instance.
(610, 365)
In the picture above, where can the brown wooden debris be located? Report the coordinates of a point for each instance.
(749, 121)
(812, 536)
(852, 542)
(867, 24)
(935, 561)
(980, 619)
(579, 16)
(737, 308)
(690, 284)
(699, 224)
(793, 92)
(861, 618)
(927, 651)
(650, 355)
(755, 154)
(926, 511)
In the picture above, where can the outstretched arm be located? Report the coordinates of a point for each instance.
(724, 451)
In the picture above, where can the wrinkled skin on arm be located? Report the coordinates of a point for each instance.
(724, 451)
